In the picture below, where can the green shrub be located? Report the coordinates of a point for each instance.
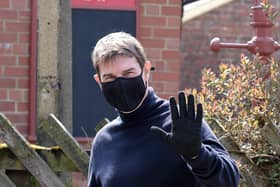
(244, 98)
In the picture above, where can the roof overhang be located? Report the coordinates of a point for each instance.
(198, 8)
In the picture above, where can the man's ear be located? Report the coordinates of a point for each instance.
(96, 77)
(147, 70)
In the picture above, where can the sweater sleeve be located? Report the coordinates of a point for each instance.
(214, 166)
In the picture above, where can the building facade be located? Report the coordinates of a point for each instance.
(158, 24)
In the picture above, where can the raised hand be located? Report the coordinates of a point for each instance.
(185, 135)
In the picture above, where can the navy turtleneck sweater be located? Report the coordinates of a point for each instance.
(125, 153)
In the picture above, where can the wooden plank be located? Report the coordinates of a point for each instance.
(54, 157)
(29, 158)
(66, 142)
(5, 180)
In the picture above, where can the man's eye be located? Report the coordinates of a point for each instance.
(108, 79)
(129, 74)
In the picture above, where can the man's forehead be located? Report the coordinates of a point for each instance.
(118, 65)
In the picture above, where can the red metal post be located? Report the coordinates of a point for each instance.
(262, 43)
(32, 74)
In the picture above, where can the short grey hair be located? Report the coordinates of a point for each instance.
(117, 44)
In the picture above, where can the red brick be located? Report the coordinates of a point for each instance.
(166, 76)
(26, 15)
(25, 95)
(1, 72)
(19, 4)
(23, 60)
(16, 71)
(18, 117)
(1, 26)
(7, 60)
(5, 48)
(173, 66)
(7, 106)
(165, 95)
(4, 3)
(145, 32)
(174, 2)
(158, 86)
(8, 37)
(153, 31)
(171, 11)
(3, 94)
(141, 10)
(28, 5)
(153, 43)
(21, 49)
(22, 128)
(164, 32)
(23, 83)
(152, 10)
(8, 14)
(153, 53)
(79, 179)
(174, 22)
(7, 83)
(170, 86)
(155, 1)
(159, 65)
(24, 37)
(171, 55)
(17, 27)
(21, 107)
(153, 21)
(172, 43)
(16, 95)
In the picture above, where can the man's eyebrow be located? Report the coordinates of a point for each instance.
(128, 70)
(108, 75)
(123, 72)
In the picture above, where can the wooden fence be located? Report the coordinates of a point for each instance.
(42, 164)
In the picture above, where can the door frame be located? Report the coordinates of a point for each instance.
(132, 5)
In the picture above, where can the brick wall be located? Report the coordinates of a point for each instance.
(229, 22)
(15, 19)
(159, 32)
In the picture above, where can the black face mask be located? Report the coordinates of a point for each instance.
(125, 94)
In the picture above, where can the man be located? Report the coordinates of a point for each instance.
(152, 143)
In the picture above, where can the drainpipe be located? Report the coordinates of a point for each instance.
(32, 74)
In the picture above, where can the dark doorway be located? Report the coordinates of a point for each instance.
(89, 106)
